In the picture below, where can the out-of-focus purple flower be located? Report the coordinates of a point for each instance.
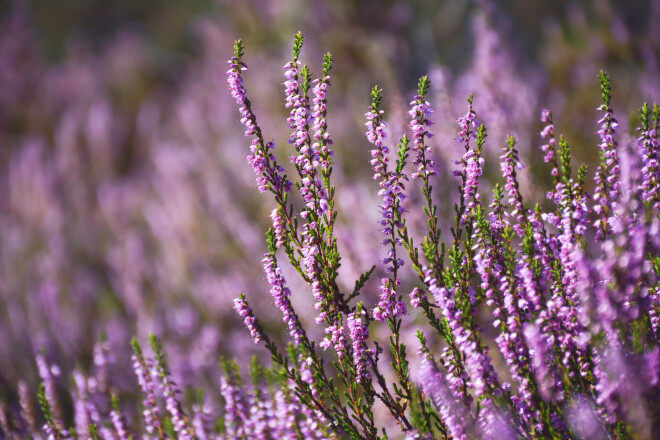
(142, 370)
(81, 414)
(27, 410)
(236, 409)
(46, 374)
(453, 413)
(478, 364)
(119, 424)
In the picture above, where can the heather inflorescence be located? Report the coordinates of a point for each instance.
(534, 318)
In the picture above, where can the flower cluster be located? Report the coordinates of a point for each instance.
(281, 293)
(608, 185)
(242, 308)
(359, 334)
(270, 175)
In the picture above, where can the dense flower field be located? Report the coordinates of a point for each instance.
(495, 275)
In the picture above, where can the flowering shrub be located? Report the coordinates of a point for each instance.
(570, 290)
(533, 322)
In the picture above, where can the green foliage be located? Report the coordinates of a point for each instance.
(605, 87)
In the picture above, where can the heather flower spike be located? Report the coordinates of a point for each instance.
(608, 184)
(649, 142)
(241, 306)
(51, 428)
(181, 423)
(152, 422)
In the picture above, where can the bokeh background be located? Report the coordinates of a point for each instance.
(126, 203)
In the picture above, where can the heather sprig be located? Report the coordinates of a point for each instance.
(118, 420)
(390, 307)
(550, 149)
(160, 371)
(649, 142)
(420, 112)
(51, 428)
(510, 163)
(608, 185)
(151, 412)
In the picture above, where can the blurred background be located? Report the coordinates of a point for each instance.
(126, 203)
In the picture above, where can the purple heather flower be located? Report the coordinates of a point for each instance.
(456, 378)
(472, 162)
(320, 125)
(607, 178)
(100, 380)
(359, 334)
(550, 149)
(649, 142)
(510, 161)
(419, 113)
(417, 297)
(531, 289)
(145, 380)
(376, 135)
(391, 190)
(291, 87)
(513, 347)
(269, 173)
(236, 410)
(119, 424)
(46, 374)
(257, 423)
(27, 410)
(81, 415)
(199, 422)
(453, 413)
(279, 226)
(172, 404)
(542, 359)
(389, 307)
(310, 252)
(468, 123)
(281, 293)
(284, 410)
(241, 306)
(336, 338)
(477, 362)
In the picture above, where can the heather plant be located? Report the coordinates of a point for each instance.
(569, 291)
(121, 216)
